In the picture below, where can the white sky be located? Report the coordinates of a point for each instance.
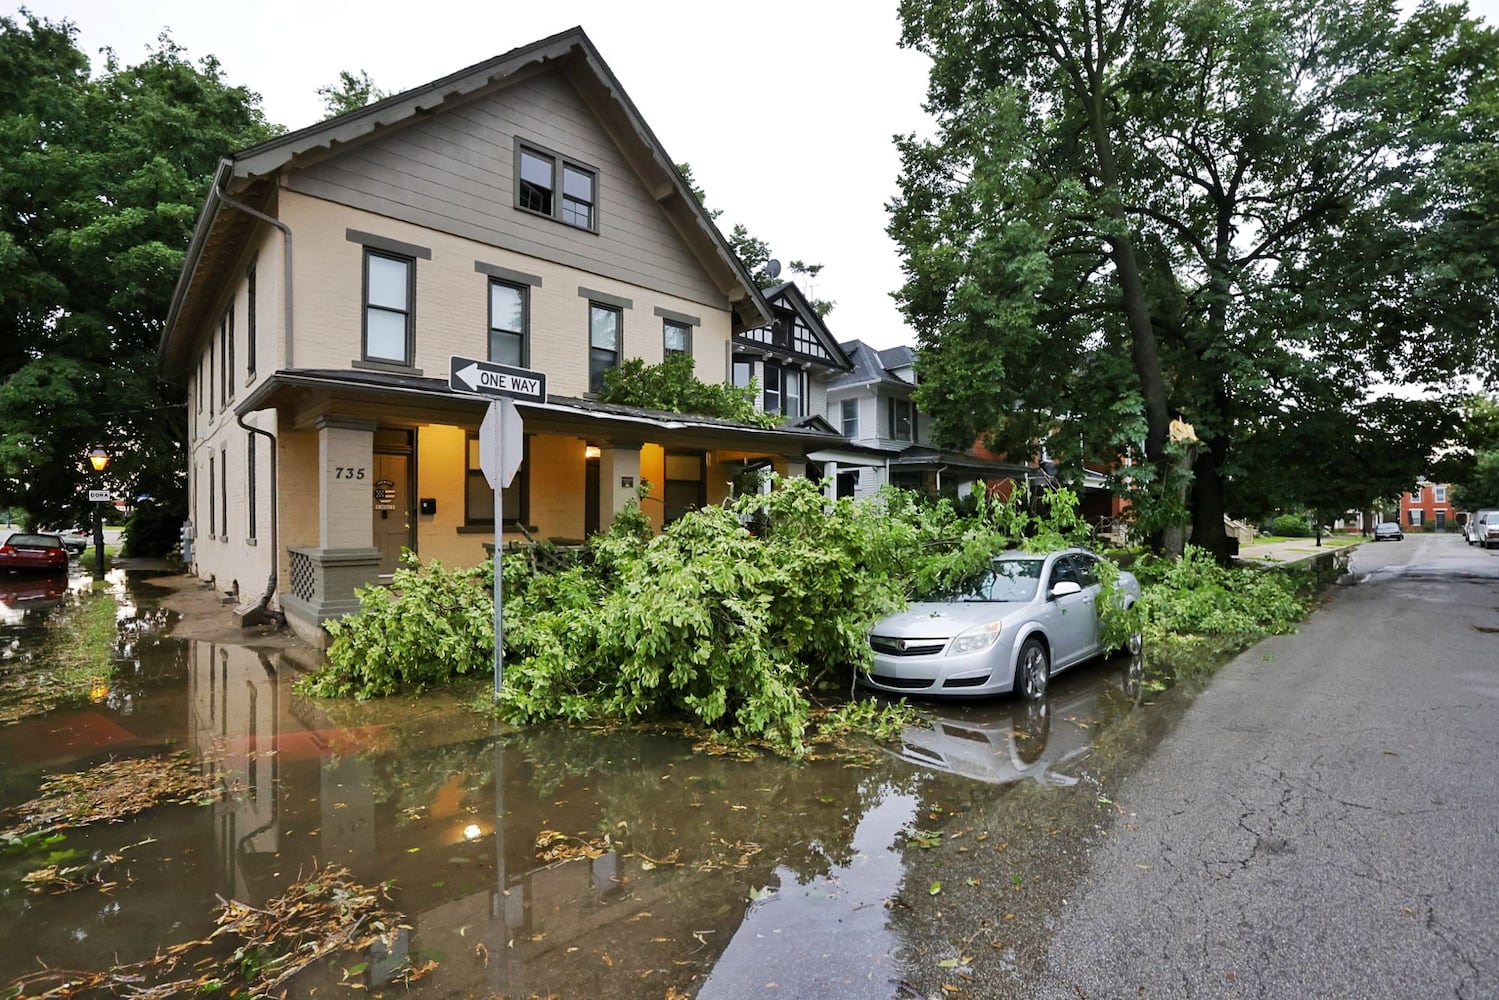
(786, 113)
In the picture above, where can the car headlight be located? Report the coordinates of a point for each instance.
(973, 639)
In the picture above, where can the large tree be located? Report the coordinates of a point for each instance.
(101, 181)
(1243, 214)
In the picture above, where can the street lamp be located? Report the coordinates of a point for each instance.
(99, 459)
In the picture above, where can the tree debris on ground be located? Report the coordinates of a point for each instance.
(326, 914)
(114, 790)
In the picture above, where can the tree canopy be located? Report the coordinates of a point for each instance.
(101, 180)
(1257, 216)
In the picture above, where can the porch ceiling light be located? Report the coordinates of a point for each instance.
(592, 451)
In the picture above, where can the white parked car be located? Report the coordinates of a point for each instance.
(1487, 531)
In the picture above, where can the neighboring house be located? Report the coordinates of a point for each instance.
(1427, 508)
(518, 210)
(872, 406)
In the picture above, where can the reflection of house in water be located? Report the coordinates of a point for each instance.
(414, 800)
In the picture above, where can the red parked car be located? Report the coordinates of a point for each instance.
(25, 552)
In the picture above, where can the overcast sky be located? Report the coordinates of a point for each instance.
(786, 112)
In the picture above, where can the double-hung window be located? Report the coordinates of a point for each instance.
(902, 419)
(554, 186)
(604, 336)
(389, 286)
(849, 412)
(250, 322)
(478, 498)
(676, 338)
(783, 390)
(250, 525)
(226, 343)
(507, 323)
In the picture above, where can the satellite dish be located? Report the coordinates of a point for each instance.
(773, 267)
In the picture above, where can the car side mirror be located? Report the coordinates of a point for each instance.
(1066, 587)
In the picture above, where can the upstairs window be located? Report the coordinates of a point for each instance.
(743, 372)
(507, 324)
(902, 419)
(604, 324)
(250, 322)
(388, 294)
(849, 411)
(1416, 495)
(783, 390)
(554, 186)
(226, 351)
(676, 338)
(1439, 494)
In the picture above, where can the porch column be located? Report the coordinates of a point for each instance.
(322, 580)
(619, 475)
(830, 480)
(346, 452)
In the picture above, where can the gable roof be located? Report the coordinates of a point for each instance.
(248, 175)
(872, 367)
(775, 340)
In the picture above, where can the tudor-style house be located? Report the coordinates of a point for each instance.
(519, 210)
(872, 406)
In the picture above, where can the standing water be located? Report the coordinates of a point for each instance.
(543, 862)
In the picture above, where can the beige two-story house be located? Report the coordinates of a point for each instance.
(520, 211)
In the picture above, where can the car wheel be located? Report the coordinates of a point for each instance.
(1032, 670)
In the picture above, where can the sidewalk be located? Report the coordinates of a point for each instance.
(1294, 549)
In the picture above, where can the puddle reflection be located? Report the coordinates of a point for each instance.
(547, 861)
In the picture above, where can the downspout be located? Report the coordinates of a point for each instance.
(270, 586)
(286, 262)
(286, 298)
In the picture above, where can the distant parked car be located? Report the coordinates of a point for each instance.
(1389, 531)
(1473, 530)
(75, 540)
(22, 551)
(1029, 616)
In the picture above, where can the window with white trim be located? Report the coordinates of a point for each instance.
(902, 419)
(849, 412)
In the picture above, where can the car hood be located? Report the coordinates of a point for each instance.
(932, 620)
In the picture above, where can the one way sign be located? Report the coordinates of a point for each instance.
(489, 379)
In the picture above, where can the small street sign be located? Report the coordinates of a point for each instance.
(486, 378)
(99, 496)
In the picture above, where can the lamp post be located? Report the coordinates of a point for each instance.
(99, 459)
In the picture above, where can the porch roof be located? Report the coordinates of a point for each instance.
(307, 393)
(920, 458)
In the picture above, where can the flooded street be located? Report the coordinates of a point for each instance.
(553, 861)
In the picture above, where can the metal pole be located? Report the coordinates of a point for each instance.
(98, 541)
(499, 528)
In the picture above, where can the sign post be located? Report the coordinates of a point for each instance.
(501, 449)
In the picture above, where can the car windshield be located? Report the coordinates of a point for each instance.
(1006, 580)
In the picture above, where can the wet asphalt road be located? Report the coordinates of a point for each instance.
(1324, 822)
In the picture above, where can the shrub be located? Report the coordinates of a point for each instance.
(1291, 526)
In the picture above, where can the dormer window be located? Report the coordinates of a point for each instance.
(552, 185)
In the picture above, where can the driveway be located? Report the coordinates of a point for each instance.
(1323, 822)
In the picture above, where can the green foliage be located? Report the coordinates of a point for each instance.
(1075, 237)
(430, 625)
(153, 529)
(352, 92)
(1291, 526)
(1196, 596)
(673, 386)
(103, 176)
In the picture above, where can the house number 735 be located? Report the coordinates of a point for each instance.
(347, 472)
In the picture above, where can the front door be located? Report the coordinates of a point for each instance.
(392, 502)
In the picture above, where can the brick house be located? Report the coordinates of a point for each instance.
(1426, 508)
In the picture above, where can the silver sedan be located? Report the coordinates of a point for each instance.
(1030, 616)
